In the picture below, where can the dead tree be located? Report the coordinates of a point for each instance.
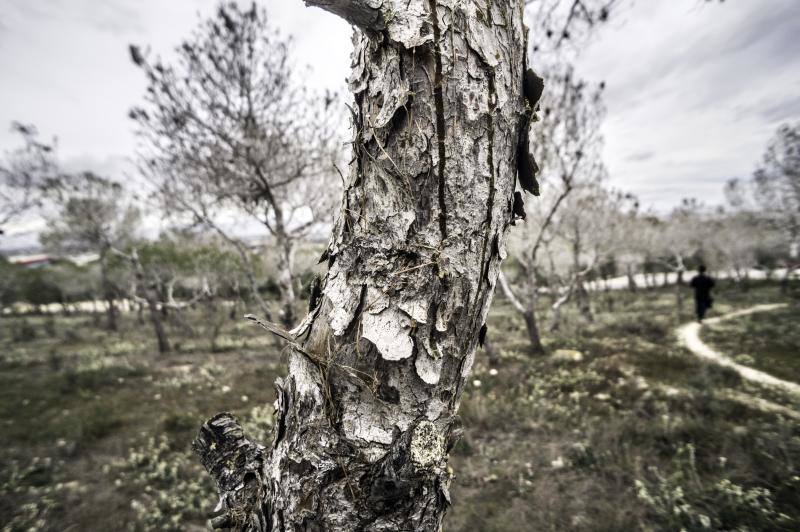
(367, 413)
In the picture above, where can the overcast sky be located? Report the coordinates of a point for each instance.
(694, 89)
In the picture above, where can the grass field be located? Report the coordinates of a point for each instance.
(636, 435)
(767, 341)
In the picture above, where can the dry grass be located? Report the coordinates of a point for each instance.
(96, 427)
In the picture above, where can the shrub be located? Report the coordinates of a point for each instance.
(23, 331)
(170, 487)
(681, 501)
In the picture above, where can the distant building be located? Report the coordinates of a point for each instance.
(31, 261)
(41, 260)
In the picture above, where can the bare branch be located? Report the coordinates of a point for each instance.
(359, 13)
(510, 293)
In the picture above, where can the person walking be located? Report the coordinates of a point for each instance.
(702, 285)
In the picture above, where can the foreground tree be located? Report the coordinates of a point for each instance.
(367, 414)
(230, 128)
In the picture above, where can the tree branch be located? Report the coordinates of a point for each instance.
(357, 12)
(237, 466)
(509, 293)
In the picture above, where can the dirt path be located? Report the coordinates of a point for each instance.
(689, 335)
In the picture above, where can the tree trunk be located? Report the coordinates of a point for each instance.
(108, 293)
(491, 353)
(367, 414)
(286, 280)
(527, 311)
(158, 323)
(631, 280)
(583, 301)
(532, 327)
(785, 279)
(582, 295)
(150, 295)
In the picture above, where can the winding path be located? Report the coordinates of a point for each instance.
(689, 336)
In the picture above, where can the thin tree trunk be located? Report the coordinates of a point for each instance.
(558, 303)
(367, 413)
(528, 312)
(532, 328)
(491, 352)
(785, 280)
(584, 303)
(582, 295)
(158, 324)
(150, 294)
(286, 280)
(631, 280)
(108, 293)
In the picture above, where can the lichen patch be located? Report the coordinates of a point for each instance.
(427, 445)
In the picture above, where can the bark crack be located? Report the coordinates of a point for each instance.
(438, 98)
(490, 203)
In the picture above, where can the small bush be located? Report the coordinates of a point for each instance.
(50, 326)
(170, 487)
(98, 423)
(23, 331)
(680, 501)
(180, 423)
(71, 336)
(55, 360)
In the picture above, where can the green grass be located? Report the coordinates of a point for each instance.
(769, 341)
(601, 444)
(96, 426)
(81, 406)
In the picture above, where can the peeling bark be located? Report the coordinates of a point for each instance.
(367, 414)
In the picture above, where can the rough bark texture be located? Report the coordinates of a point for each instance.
(367, 413)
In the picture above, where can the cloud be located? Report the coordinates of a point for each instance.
(114, 16)
(787, 110)
(694, 91)
(640, 156)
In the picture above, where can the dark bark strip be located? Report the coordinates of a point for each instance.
(440, 125)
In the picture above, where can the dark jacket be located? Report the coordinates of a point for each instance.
(702, 285)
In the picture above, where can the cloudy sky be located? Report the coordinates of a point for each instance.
(694, 89)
